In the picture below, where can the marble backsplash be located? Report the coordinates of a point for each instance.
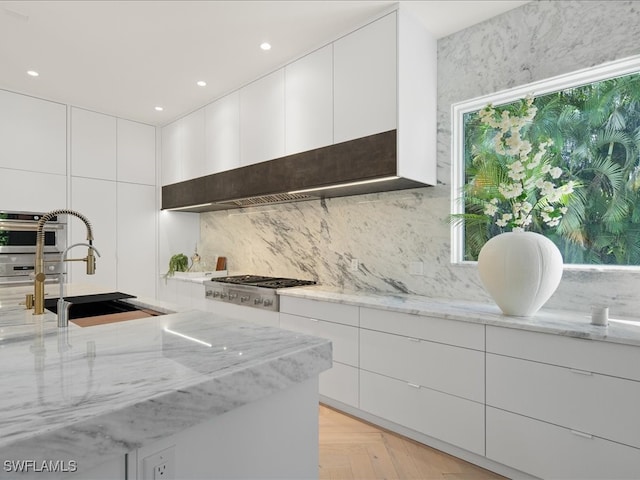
(387, 232)
(319, 239)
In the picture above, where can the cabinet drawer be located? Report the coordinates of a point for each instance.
(452, 332)
(448, 418)
(329, 311)
(454, 370)
(549, 451)
(343, 337)
(592, 403)
(591, 355)
(340, 383)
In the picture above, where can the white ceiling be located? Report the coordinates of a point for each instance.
(125, 57)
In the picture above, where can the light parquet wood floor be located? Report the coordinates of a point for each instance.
(353, 449)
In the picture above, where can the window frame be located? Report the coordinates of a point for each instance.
(617, 68)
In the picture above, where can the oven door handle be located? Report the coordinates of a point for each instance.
(28, 227)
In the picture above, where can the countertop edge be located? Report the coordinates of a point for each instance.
(557, 322)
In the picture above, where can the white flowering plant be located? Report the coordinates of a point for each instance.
(516, 183)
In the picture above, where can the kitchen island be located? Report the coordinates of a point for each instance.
(192, 393)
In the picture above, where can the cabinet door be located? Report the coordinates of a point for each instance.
(365, 72)
(588, 402)
(171, 168)
(455, 370)
(309, 102)
(136, 239)
(321, 310)
(222, 134)
(32, 191)
(183, 148)
(136, 153)
(33, 134)
(93, 145)
(96, 200)
(192, 151)
(343, 337)
(549, 451)
(340, 383)
(448, 418)
(262, 119)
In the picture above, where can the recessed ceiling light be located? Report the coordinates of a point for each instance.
(265, 46)
(159, 109)
(32, 73)
(201, 83)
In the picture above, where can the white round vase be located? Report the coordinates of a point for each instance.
(520, 270)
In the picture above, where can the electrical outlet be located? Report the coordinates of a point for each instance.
(416, 268)
(160, 472)
(355, 265)
(160, 465)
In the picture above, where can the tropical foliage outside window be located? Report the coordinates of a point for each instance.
(591, 137)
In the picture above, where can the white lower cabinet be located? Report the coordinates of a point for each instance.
(338, 323)
(259, 316)
(431, 387)
(545, 405)
(446, 417)
(551, 414)
(340, 383)
(581, 400)
(549, 451)
(182, 292)
(450, 369)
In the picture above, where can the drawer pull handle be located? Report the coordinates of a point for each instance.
(314, 320)
(580, 372)
(412, 339)
(581, 434)
(413, 385)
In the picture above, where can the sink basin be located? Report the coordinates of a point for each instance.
(90, 310)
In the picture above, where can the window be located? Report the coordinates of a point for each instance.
(592, 118)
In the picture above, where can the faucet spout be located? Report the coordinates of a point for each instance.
(63, 305)
(39, 266)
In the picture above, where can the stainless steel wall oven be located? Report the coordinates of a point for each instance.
(18, 247)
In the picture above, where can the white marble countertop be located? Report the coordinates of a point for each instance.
(90, 394)
(196, 277)
(560, 322)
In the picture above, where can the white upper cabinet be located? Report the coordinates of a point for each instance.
(136, 152)
(183, 148)
(33, 134)
(378, 78)
(22, 190)
(193, 144)
(365, 71)
(170, 161)
(262, 119)
(93, 145)
(222, 134)
(309, 102)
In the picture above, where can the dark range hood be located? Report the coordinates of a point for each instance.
(364, 165)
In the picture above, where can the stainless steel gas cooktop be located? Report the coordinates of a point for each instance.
(251, 290)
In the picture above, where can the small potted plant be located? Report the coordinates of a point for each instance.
(177, 263)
